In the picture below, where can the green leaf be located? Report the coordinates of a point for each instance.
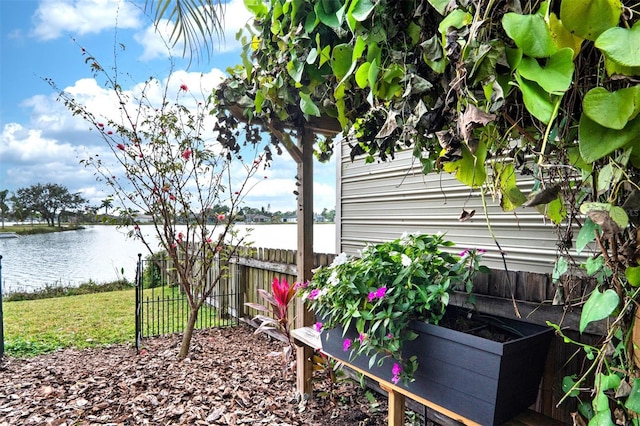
(593, 265)
(257, 7)
(619, 216)
(307, 106)
(621, 45)
(590, 18)
(608, 177)
(612, 110)
(613, 68)
(538, 102)
(563, 37)
(341, 60)
(439, 5)
(633, 275)
(295, 68)
(633, 401)
(602, 418)
(512, 197)
(469, 170)
(567, 383)
(531, 34)
(599, 306)
(586, 235)
(555, 210)
(561, 266)
(596, 141)
(362, 75)
(555, 77)
(374, 70)
(330, 12)
(359, 10)
(458, 18)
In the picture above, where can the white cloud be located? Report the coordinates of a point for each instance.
(29, 158)
(156, 40)
(55, 18)
(49, 147)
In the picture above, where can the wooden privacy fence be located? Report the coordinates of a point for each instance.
(255, 268)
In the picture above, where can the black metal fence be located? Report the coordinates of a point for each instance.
(162, 307)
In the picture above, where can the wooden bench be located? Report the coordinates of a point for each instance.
(307, 336)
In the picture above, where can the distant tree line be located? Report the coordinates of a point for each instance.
(51, 202)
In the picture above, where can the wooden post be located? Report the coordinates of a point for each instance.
(396, 406)
(305, 257)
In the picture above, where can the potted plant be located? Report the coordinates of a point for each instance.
(381, 312)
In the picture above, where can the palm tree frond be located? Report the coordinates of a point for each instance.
(195, 22)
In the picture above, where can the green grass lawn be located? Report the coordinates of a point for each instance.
(38, 326)
(33, 327)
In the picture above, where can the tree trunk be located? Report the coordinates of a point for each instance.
(188, 332)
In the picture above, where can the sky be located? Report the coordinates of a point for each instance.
(41, 142)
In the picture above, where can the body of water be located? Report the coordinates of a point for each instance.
(104, 253)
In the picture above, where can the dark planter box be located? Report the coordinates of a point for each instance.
(480, 379)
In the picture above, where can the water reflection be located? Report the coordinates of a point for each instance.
(104, 253)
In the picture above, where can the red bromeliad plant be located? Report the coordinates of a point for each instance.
(277, 325)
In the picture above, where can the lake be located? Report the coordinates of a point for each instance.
(100, 253)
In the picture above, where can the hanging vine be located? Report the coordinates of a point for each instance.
(542, 88)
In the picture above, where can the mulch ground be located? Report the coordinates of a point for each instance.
(228, 379)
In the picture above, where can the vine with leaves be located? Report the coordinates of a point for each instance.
(492, 91)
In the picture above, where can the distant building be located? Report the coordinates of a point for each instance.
(257, 218)
(290, 219)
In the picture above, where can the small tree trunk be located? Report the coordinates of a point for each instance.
(188, 332)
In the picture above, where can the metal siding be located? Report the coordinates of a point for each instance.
(380, 201)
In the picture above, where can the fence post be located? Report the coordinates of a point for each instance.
(1, 314)
(139, 285)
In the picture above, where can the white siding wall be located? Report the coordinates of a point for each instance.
(380, 201)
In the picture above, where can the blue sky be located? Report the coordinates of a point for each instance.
(40, 142)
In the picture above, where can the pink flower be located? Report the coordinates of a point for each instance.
(110, 132)
(381, 292)
(361, 337)
(396, 370)
(218, 248)
(120, 147)
(282, 293)
(221, 217)
(318, 326)
(209, 240)
(173, 245)
(186, 154)
(378, 294)
(314, 293)
(100, 125)
(184, 87)
(180, 236)
(237, 193)
(299, 285)
(172, 197)
(346, 344)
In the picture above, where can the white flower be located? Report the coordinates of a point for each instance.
(406, 260)
(322, 292)
(405, 238)
(339, 260)
(333, 278)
